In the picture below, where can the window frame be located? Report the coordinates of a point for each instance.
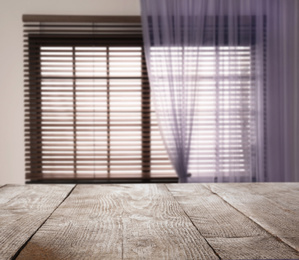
(35, 43)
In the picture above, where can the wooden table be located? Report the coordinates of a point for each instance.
(150, 221)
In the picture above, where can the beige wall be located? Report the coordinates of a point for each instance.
(11, 68)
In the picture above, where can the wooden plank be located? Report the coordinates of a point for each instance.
(275, 207)
(286, 195)
(156, 227)
(88, 225)
(9, 192)
(231, 234)
(137, 221)
(23, 209)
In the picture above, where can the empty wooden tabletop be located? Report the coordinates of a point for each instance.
(150, 221)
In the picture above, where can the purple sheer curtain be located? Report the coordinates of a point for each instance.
(282, 82)
(224, 76)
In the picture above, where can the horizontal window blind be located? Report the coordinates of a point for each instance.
(225, 123)
(223, 130)
(88, 108)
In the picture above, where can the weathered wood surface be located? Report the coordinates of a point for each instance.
(23, 209)
(150, 221)
(231, 234)
(156, 227)
(118, 222)
(273, 206)
(87, 225)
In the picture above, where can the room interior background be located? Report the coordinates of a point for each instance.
(11, 66)
(281, 103)
(225, 77)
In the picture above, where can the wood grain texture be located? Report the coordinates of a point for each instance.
(23, 209)
(231, 234)
(118, 222)
(9, 192)
(274, 206)
(156, 227)
(88, 225)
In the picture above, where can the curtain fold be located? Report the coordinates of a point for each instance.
(224, 76)
(282, 90)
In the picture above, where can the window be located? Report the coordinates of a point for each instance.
(222, 144)
(88, 108)
(223, 139)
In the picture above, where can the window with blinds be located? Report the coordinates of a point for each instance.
(88, 108)
(224, 127)
(223, 132)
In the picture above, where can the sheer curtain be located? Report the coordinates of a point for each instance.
(224, 75)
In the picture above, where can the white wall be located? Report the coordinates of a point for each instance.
(12, 165)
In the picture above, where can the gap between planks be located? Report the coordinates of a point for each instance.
(22, 209)
(267, 231)
(23, 246)
(193, 223)
(131, 202)
(120, 221)
(258, 221)
(230, 232)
